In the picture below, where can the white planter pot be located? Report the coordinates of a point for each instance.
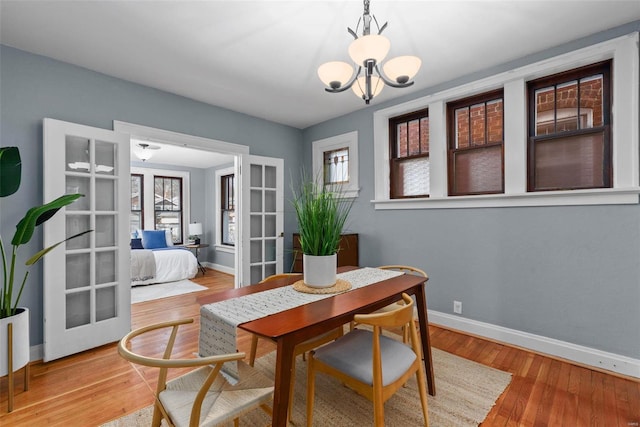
(20, 341)
(319, 271)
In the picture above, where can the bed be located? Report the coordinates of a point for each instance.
(157, 263)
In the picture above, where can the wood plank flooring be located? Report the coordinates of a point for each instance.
(96, 386)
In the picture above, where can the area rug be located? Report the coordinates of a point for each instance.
(163, 290)
(466, 392)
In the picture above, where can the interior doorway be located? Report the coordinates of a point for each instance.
(182, 151)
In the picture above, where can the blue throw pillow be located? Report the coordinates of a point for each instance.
(136, 244)
(152, 239)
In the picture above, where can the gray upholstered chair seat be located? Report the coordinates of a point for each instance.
(352, 354)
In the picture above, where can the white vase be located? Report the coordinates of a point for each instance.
(319, 271)
(20, 333)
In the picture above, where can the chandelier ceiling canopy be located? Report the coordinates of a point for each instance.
(367, 52)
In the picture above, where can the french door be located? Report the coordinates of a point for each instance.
(87, 299)
(262, 218)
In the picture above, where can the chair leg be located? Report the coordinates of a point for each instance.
(157, 415)
(236, 422)
(378, 409)
(422, 388)
(311, 383)
(254, 349)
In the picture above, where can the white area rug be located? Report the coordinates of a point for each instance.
(163, 290)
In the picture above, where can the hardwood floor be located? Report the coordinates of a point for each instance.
(96, 386)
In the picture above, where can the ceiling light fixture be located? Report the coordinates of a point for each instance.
(145, 151)
(367, 52)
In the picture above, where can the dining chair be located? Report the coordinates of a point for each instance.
(200, 397)
(300, 349)
(372, 364)
(409, 270)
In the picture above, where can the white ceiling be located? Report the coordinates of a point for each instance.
(179, 155)
(260, 57)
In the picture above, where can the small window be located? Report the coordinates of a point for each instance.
(227, 210)
(409, 159)
(335, 161)
(476, 135)
(569, 130)
(336, 166)
(168, 206)
(136, 218)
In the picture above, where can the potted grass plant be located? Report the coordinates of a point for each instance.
(13, 282)
(322, 212)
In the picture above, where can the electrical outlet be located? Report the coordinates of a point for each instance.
(457, 307)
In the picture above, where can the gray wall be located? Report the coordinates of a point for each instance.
(33, 87)
(569, 273)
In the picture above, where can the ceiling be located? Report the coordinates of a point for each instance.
(178, 155)
(261, 57)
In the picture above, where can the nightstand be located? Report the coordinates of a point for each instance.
(197, 248)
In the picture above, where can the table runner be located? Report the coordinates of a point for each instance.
(219, 320)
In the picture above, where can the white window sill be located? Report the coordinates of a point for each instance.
(608, 196)
(225, 248)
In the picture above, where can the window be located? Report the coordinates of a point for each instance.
(168, 206)
(335, 161)
(569, 130)
(610, 177)
(336, 166)
(227, 210)
(409, 149)
(476, 129)
(137, 203)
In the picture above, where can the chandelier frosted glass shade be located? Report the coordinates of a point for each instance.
(360, 86)
(335, 73)
(401, 69)
(370, 75)
(373, 46)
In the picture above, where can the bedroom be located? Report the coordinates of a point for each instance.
(173, 173)
(565, 273)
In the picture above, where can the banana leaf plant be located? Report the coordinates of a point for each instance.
(10, 177)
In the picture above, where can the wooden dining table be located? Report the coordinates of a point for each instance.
(291, 327)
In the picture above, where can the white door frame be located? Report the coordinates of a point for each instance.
(200, 143)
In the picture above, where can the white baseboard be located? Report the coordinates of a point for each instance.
(36, 352)
(219, 267)
(577, 353)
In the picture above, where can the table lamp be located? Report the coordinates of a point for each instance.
(195, 229)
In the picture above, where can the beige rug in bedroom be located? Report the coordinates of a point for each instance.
(466, 392)
(163, 290)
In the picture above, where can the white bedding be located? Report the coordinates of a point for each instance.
(171, 265)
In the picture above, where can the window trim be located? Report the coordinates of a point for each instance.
(625, 131)
(348, 140)
(219, 246)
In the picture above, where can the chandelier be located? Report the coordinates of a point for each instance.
(368, 52)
